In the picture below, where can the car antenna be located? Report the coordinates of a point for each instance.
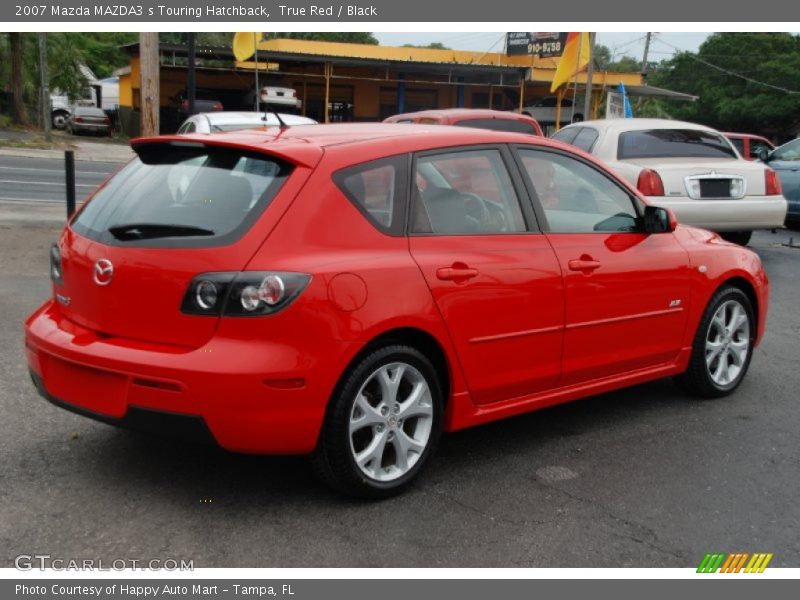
(283, 124)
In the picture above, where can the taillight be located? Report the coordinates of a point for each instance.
(56, 273)
(242, 294)
(106, 120)
(185, 106)
(649, 183)
(216, 106)
(773, 183)
(79, 119)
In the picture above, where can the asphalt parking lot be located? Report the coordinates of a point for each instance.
(644, 477)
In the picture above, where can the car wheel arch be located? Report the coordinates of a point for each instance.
(747, 288)
(419, 339)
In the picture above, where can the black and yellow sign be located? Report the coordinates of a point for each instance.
(543, 44)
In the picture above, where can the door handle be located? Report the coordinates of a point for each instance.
(583, 264)
(456, 273)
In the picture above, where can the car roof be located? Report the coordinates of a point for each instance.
(638, 124)
(257, 118)
(376, 139)
(741, 136)
(475, 113)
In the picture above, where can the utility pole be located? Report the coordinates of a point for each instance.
(149, 68)
(644, 58)
(191, 79)
(587, 101)
(47, 119)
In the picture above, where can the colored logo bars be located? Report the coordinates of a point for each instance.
(734, 563)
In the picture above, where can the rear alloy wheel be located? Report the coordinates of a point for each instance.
(383, 424)
(722, 346)
(737, 237)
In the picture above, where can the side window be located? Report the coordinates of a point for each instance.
(756, 146)
(377, 189)
(466, 192)
(738, 144)
(566, 135)
(576, 197)
(187, 127)
(585, 139)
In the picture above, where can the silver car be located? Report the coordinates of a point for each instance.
(88, 119)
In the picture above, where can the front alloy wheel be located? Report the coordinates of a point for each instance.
(723, 345)
(382, 425)
(727, 343)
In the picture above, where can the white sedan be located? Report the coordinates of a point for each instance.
(691, 169)
(216, 122)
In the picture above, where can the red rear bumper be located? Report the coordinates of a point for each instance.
(253, 395)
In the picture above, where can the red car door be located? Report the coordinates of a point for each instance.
(495, 279)
(626, 291)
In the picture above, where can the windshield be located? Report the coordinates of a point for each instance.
(182, 196)
(673, 143)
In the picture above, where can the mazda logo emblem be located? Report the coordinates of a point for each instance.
(103, 271)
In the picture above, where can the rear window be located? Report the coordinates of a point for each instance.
(500, 125)
(669, 143)
(182, 196)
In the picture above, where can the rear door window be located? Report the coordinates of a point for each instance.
(468, 192)
(585, 139)
(567, 135)
(185, 196)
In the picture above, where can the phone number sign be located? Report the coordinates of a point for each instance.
(545, 44)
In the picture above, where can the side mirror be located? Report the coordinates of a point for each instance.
(763, 154)
(659, 220)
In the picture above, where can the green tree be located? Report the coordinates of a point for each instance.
(605, 62)
(745, 82)
(431, 46)
(350, 37)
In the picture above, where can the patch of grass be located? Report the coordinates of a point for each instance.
(35, 143)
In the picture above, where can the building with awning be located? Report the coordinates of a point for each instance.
(359, 82)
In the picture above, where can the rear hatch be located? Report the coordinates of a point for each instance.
(177, 210)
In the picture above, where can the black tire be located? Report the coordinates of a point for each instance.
(334, 460)
(577, 118)
(59, 119)
(698, 379)
(792, 224)
(737, 237)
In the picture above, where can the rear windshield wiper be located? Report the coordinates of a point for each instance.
(149, 231)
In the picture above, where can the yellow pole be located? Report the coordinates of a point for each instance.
(521, 92)
(328, 73)
(559, 97)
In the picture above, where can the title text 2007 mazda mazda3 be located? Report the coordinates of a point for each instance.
(351, 291)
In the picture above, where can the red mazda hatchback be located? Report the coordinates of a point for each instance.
(351, 291)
